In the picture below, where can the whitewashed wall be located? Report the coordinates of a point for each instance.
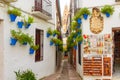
(109, 23)
(17, 57)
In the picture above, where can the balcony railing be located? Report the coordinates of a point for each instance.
(42, 9)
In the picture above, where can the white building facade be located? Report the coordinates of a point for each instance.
(109, 24)
(14, 58)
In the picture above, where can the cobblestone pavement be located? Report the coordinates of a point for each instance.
(66, 72)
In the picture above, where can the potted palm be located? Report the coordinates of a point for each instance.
(107, 10)
(33, 48)
(28, 22)
(84, 12)
(13, 13)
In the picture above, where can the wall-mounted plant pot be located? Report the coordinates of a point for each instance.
(31, 51)
(20, 24)
(51, 43)
(54, 35)
(27, 26)
(107, 14)
(13, 41)
(79, 42)
(25, 43)
(12, 17)
(78, 26)
(47, 35)
(75, 47)
(85, 16)
(79, 21)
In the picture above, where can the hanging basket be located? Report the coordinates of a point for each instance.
(107, 14)
(20, 24)
(31, 51)
(13, 41)
(12, 17)
(27, 26)
(85, 16)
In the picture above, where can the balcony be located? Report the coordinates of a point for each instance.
(9, 1)
(42, 9)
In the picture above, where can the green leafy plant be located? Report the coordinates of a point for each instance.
(34, 47)
(14, 11)
(56, 32)
(15, 34)
(25, 75)
(107, 9)
(29, 20)
(84, 11)
(49, 31)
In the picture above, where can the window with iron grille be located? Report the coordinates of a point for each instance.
(39, 41)
(79, 53)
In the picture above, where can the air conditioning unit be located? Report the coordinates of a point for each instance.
(9, 1)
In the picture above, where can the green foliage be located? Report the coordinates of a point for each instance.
(25, 75)
(107, 9)
(49, 31)
(35, 47)
(29, 20)
(14, 11)
(79, 39)
(15, 34)
(84, 11)
(56, 32)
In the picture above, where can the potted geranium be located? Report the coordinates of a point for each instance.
(33, 48)
(13, 13)
(84, 12)
(107, 10)
(28, 22)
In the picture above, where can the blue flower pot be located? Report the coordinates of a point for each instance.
(25, 43)
(27, 26)
(54, 35)
(51, 43)
(85, 16)
(20, 24)
(13, 41)
(75, 47)
(31, 51)
(12, 17)
(47, 35)
(79, 21)
(79, 42)
(107, 14)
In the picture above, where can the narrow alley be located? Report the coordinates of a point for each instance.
(66, 72)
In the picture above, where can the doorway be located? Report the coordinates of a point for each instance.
(116, 57)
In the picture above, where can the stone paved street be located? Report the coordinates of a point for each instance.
(66, 72)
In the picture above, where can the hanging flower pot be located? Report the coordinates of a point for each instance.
(75, 47)
(13, 41)
(27, 26)
(85, 16)
(79, 21)
(31, 51)
(25, 43)
(107, 14)
(51, 43)
(12, 17)
(47, 35)
(20, 24)
(54, 35)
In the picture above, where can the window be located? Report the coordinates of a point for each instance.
(39, 41)
(117, 0)
(79, 53)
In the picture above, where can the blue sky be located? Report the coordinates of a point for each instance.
(62, 4)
